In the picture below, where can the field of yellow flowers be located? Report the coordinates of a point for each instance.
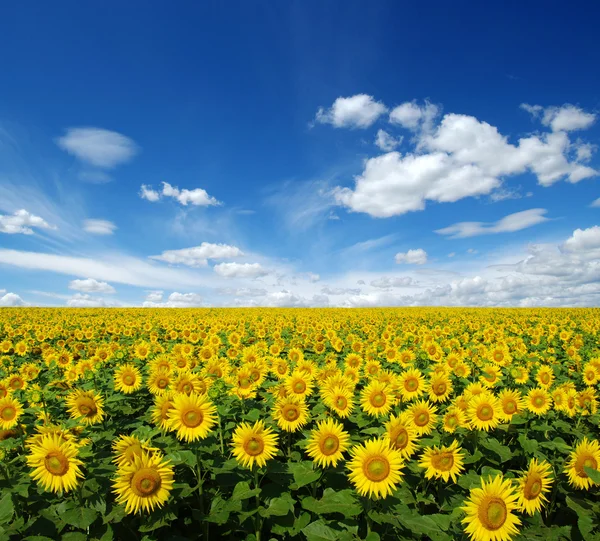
(320, 424)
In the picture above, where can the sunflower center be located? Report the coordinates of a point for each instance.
(492, 513)
(254, 446)
(411, 384)
(56, 463)
(510, 406)
(129, 379)
(422, 418)
(452, 421)
(290, 412)
(376, 468)
(329, 445)
(538, 401)
(485, 412)
(146, 482)
(443, 461)
(162, 383)
(8, 413)
(400, 438)
(16, 384)
(583, 461)
(299, 387)
(378, 399)
(533, 487)
(87, 407)
(244, 383)
(341, 402)
(186, 387)
(192, 418)
(498, 356)
(545, 378)
(440, 388)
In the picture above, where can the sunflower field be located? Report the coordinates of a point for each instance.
(316, 424)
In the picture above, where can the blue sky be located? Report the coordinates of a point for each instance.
(299, 154)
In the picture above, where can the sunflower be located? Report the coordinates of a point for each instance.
(490, 375)
(127, 378)
(55, 463)
(545, 376)
(126, 448)
(442, 462)
(423, 417)
(590, 375)
(511, 403)
(484, 411)
(160, 411)
(159, 382)
(586, 453)
(254, 444)
(186, 382)
(299, 385)
(520, 374)
(401, 434)
(192, 416)
(16, 382)
(489, 511)
(144, 484)
(533, 485)
(327, 443)
(340, 400)
(280, 368)
(538, 401)
(587, 402)
(86, 405)
(290, 413)
(412, 384)
(440, 388)
(454, 418)
(375, 399)
(375, 468)
(10, 411)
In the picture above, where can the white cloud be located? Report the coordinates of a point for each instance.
(339, 291)
(583, 240)
(198, 256)
(510, 223)
(146, 192)
(98, 147)
(197, 197)
(412, 257)
(595, 203)
(462, 157)
(176, 300)
(313, 277)
(243, 292)
(413, 117)
(99, 227)
(397, 281)
(154, 296)
(472, 251)
(10, 299)
(83, 300)
(359, 111)
(240, 270)
(90, 285)
(565, 118)
(387, 142)
(452, 254)
(22, 222)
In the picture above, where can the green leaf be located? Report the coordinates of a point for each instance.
(342, 502)
(319, 531)
(74, 536)
(278, 507)
(585, 521)
(80, 517)
(420, 524)
(469, 480)
(303, 473)
(529, 446)
(242, 491)
(593, 474)
(372, 536)
(492, 444)
(7, 509)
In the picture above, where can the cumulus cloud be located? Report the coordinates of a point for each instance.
(198, 256)
(386, 282)
(240, 270)
(461, 157)
(412, 116)
(359, 111)
(595, 203)
(154, 296)
(313, 277)
(98, 147)
(387, 142)
(339, 291)
(176, 300)
(243, 292)
(412, 257)
(22, 222)
(583, 240)
(99, 227)
(197, 197)
(83, 300)
(508, 224)
(564, 118)
(10, 299)
(90, 285)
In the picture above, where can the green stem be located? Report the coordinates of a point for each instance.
(201, 494)
(367, 511)
(258, 518)
(289, 446)
(221, 436)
